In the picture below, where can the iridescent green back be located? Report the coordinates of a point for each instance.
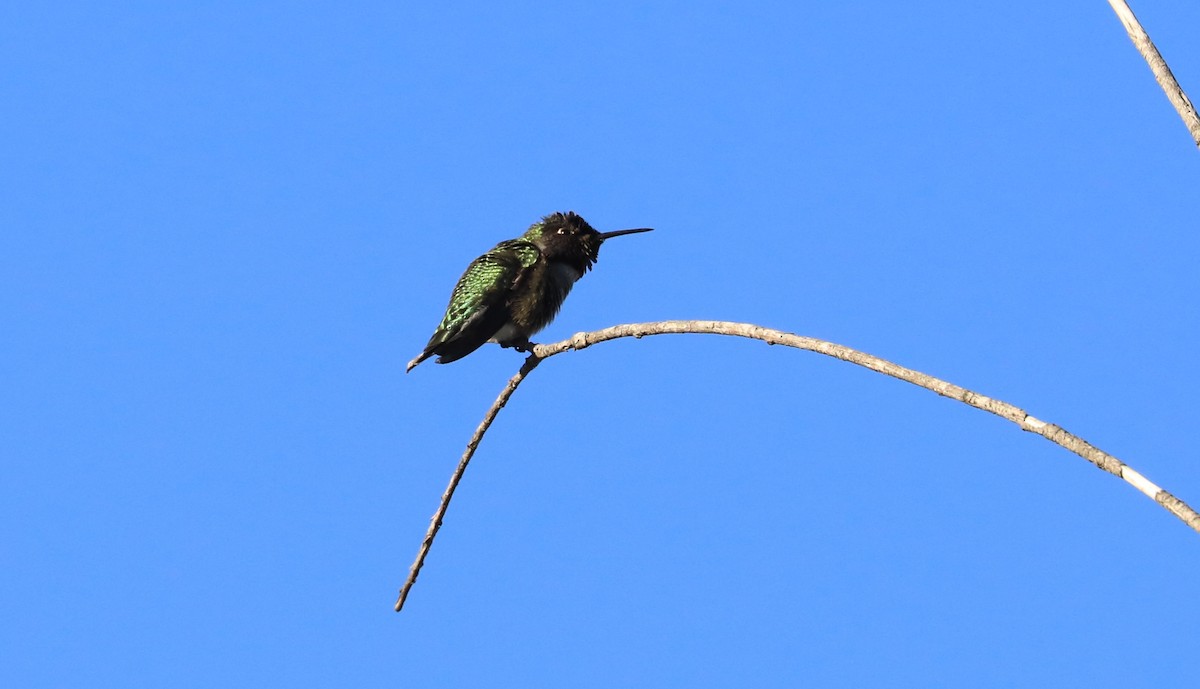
(487, 281)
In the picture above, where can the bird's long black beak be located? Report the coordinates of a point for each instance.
(618, 233)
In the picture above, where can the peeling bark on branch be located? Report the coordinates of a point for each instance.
(1162, 73)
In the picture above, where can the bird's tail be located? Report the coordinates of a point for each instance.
(420, 357)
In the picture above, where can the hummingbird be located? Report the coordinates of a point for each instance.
(513, 291)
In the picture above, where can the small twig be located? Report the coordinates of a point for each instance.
(1004, 410)
(436, 523)
(1162, 73)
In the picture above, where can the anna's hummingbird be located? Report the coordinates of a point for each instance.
(513, 291)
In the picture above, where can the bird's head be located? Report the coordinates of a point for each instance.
(568, 238)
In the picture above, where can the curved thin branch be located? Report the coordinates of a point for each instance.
(436, 523)
(1049, 431)
(1162, 73)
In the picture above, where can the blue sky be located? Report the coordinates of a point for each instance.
(229, 225)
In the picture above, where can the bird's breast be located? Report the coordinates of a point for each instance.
(538, 302)
(564, 274)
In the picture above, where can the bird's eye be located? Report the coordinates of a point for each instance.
(562, 230)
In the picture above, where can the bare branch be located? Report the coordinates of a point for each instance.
(1004, 410)
(1162, 73)
(436, 523)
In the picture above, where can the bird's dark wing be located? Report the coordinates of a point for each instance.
(479, 304)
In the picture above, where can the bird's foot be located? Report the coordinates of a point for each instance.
(520, 346)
